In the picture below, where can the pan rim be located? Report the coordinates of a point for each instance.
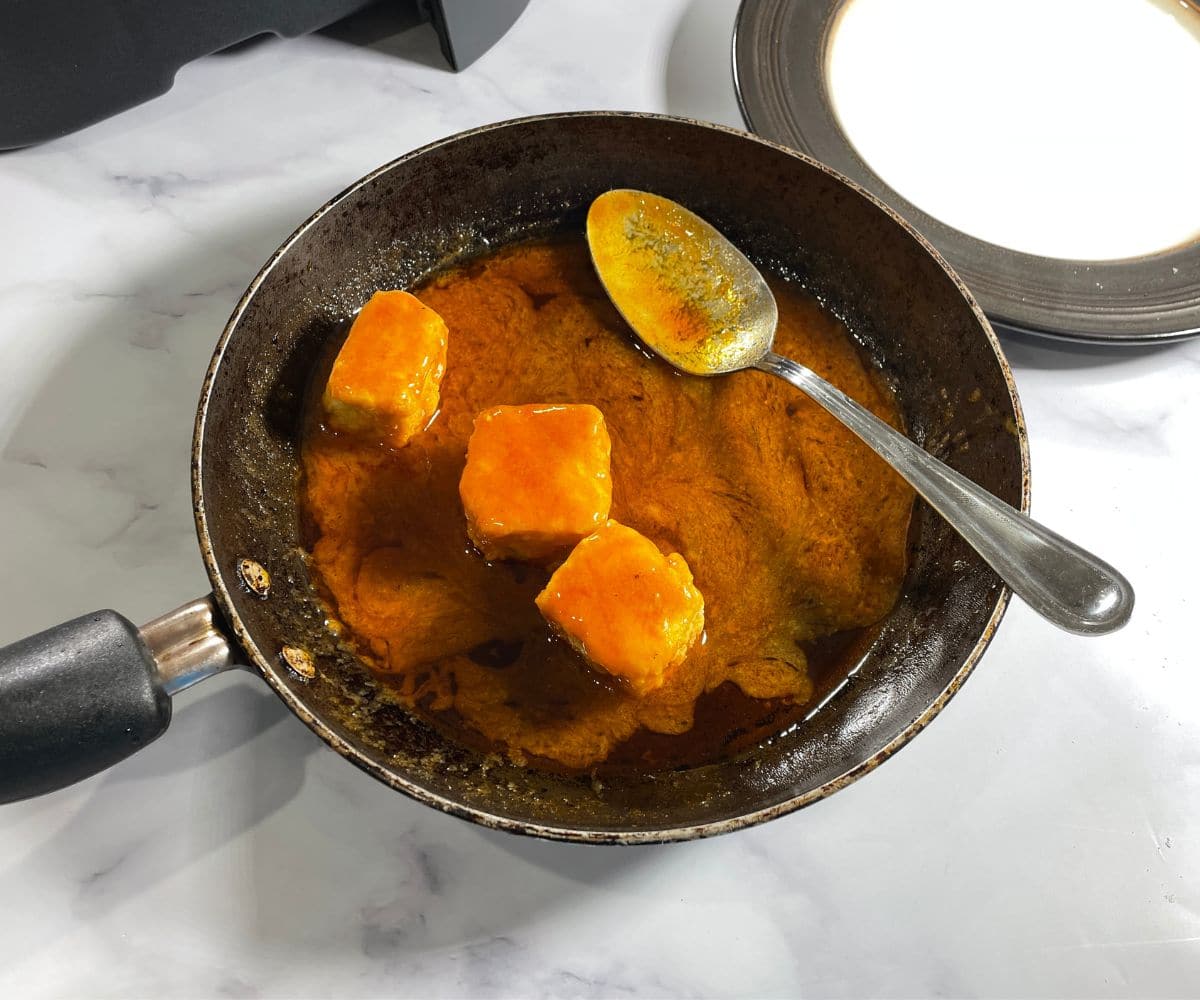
(641, 835)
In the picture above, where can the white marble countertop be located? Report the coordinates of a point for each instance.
(1042, 838)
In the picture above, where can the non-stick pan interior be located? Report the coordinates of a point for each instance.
(504, 183)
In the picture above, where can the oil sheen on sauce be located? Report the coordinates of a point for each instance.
(795, 531)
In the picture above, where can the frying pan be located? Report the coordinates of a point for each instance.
(81, 696)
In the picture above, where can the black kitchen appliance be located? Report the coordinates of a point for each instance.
(65, 64)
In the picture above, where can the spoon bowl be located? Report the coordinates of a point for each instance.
(699, 303)
(691, 296)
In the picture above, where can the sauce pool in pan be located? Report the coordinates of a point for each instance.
(795, 531)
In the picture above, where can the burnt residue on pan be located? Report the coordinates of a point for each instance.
(510, 182)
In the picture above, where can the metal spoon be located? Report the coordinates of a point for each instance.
(695, 300)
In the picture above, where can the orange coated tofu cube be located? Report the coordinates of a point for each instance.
(536, 480)
(385, 381)
(627, 608)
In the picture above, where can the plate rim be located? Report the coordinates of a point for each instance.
(1141, 300)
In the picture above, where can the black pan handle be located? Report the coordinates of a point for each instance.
(83, 695)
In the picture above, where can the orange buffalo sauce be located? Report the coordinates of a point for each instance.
(677, 290)
(679, 319)
(795, 532)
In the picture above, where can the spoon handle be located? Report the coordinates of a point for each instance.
(1060, 581)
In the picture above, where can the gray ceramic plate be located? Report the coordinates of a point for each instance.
(779, 58)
